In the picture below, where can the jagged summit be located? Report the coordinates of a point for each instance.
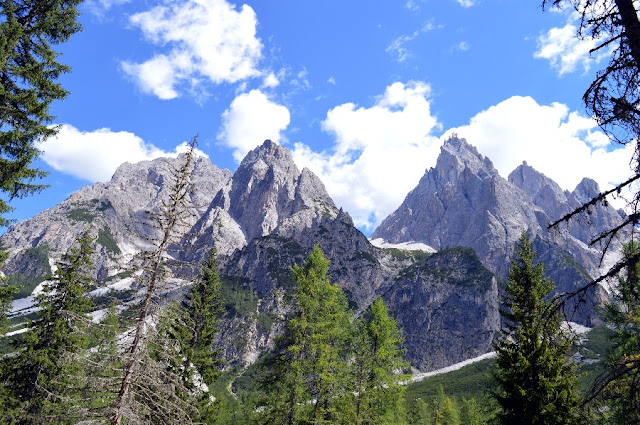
(463, 201)
(266, 194)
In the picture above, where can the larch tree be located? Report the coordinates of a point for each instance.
(613, 100)
(29, 70)
(536, 381)
(377, 366)
(311, 381)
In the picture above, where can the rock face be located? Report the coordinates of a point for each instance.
(268, 215)
(463, 201)
(267, 192)
(115, 212)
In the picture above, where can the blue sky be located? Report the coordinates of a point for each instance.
(361, 92)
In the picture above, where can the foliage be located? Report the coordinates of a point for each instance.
(193, 324)
(6, 295)
(310, 381)
(537, 384)
(618, 387)
(41, 374)
(105, 238)
(28, 30)
(377, 363)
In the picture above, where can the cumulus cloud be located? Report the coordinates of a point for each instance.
(95, 155)
(565, 51)
(252, 118)
(201, 41)
(564, 145)
(380, 152)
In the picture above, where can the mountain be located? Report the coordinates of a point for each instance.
(268, 215)
(114, 211)
(463, 201)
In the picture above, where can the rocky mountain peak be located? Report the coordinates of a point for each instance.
(268, 193)
(543, 191)
(456, 154)
(586, 190)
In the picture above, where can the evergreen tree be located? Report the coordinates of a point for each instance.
(470, 413)
(419, 413)
(40, 375)
(619, 386)
(311, 385)
(377, 364)
(6, 296)
(28, 30)
(537, 383)
(192, 324)
(445, 409)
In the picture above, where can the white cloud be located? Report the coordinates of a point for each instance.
(95, 155)
(563, 145)
(331, 81)
(271, 81)
(252, 118)
(565, 51)
(99, 7)
(202, 41)
(380, 152)
(466, 3)
(463, 46)
(397, 47)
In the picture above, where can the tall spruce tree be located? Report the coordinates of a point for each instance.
(311, 384)
(377, 366)
(537, 383)
(28, 73)
(192, 325)
(40, 375)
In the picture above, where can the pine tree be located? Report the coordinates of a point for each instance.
(29, 70)
(377, 365)
(537, 383)
(311, 385)
(41, 374)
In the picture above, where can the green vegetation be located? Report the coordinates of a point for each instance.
(237, 298)
(38, 258)
(81, 215)
(28, 33)
(537, 384)
(44, 362)
(105, 238)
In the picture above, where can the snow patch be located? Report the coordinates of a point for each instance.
(119, 285)
(19, 331)
(417, 377)
(409, 246)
